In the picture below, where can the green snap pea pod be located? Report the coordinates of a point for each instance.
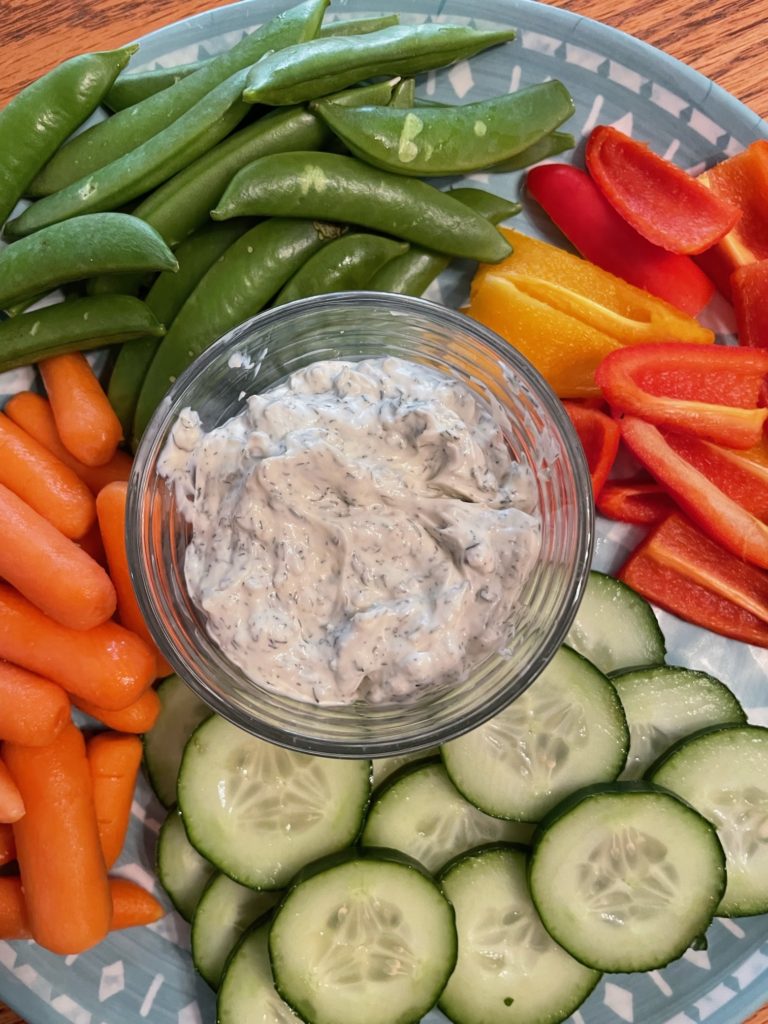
(312, 184)
(404, 94)
(415, 270)
(358, 26)
(37, 121)
(105, 142)
(74, 326)
(342, 266)
(428, 141)
(165, 298)
(71, 251)
(236, 287)
(550, 145)
(145, 167)
(320, 66)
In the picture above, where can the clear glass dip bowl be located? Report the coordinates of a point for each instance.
(354, 326)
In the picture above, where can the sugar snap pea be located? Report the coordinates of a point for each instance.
(357, 26)
(37, 121)
(74, 326)
(105, 142)
(404, 93)
(320, 66)
(311, 184)
(428, 141)
(71, 251)
(145, 167)
(550, 145)
(345, 265)
(236, 287)
(165, 298)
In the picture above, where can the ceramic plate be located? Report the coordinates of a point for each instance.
(147, 974)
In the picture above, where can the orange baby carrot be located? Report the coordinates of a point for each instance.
(14, 921)
(33, 710)
(57, 844)
(32, 412)
(136, 718)
(54, 490)
(86, 422)
(110, 511)
(114, 760)
(132, 905)
(50, 570)
(11, 800)
(107, 665)
(91, 545)
(7, 845)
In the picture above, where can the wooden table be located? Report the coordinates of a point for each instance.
(722, 39)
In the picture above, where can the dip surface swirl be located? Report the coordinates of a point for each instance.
(359, 532)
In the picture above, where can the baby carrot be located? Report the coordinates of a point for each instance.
(132, 905)
(51, 570)
(32, 413)
(33, 710)
(110, 511)
(136, 718)
(114, 761)
(54, 490)
(7, 845)
(86, 422)
(14, 921)
(57, 844)
(107, 665)
(91, 544)
(11, 800)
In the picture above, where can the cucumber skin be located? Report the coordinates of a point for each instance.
(483, 848)
(679, 744)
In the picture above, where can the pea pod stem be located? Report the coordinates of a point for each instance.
(37, 121)
(105, 142)
(321, 66)
(74, 326)
(307, 185)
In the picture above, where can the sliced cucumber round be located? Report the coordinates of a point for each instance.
(247, 994)
(667, 703)
(566, 731)
(616, 628)
(421, 813)
(723, 773)
(182, 871)
(509, 970)
(180, 714)
(363, 938)
(625, 877)
(385, 767)
(225, 910)
(260, 812)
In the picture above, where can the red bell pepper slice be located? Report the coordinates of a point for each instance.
(743, 480)
(717, 514)
(664, 204)
(715, 392)
(749, 291)
(640, 503)
(601, 235)
(599, 436)
(680, 569)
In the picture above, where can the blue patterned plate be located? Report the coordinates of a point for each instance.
(147, 974)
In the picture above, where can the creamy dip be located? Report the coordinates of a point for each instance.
(360, 531)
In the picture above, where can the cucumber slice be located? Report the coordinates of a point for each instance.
(385, 767)
(363, 938)
(259, 812)
(247, 994)
(723, 773)
(566, 731)
(183, 873)
(665, 704)
(625, 877)
(181, 713)
(615, 628)
(509, 970)
(422, 814)
(225, 910)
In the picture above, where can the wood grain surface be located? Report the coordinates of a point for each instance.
(723, 39)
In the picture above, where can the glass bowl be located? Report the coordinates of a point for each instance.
(354, 326)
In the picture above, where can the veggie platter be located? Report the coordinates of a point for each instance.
(147, 973)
